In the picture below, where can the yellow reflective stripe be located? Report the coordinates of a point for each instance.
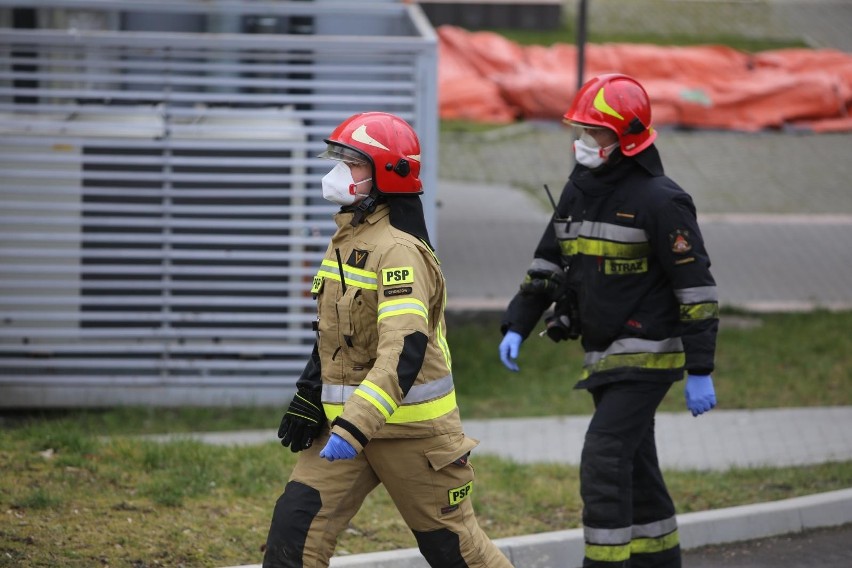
(608, 249)
(407, 412)
(424, 410)
(354, 276)
(332, 410)
(402, 306)
(444, 346)
(707, 310)
(642, 360)
(614, 553)
(651, 545)
(376, 396)
(430, 251)
(593, 247)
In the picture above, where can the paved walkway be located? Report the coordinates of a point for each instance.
(718, 440)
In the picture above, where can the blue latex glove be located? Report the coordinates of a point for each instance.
(337, 449)
(509, 349)
(700, 394)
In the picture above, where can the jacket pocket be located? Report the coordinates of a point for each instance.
(357, 323)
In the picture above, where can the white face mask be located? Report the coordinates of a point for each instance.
(590, 154)
(339, 187)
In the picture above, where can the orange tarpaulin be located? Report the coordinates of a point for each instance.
(485, 77)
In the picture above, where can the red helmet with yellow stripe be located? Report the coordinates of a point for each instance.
(617, 102)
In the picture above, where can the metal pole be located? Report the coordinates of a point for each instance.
(581, 42)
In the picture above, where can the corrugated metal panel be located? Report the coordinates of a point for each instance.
(160, 224)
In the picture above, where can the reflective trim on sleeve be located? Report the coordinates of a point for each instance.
(698, 303)
(634, 352)
(695, 312)
(338, 394)
(423, 402)
(697, 295)
(353, 276)
(374, 394)
(441, 340)
(544, 265)
(402, 306)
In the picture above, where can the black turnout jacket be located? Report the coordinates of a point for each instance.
(628, 237)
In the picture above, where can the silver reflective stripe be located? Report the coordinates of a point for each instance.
(376, 396)
(697, 295)
(338, 394)
(635, 345)
(610, 232)
(430, 390)
(541, 264)
(656, 529)
(607, 536)
(385, 309)
(566, 230)
(359, 277)
(328, 267)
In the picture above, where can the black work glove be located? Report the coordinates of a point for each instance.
(303, 420)
(547, 283)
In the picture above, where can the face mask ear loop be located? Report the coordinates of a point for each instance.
(353, 187)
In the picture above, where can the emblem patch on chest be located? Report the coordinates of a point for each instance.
(358, 258)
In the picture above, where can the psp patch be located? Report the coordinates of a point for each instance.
(398, 275)
(680, 241)
(459, 494)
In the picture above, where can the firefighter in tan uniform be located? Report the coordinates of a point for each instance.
(376, 398)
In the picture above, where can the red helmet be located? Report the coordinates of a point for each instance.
(617, 102)
(384, 140)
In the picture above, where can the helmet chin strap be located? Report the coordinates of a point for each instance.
(364, 207)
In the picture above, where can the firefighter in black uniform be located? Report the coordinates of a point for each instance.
(624, 266)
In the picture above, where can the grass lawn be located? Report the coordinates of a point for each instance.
(69, 497)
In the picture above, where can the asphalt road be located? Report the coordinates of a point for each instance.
(825, 548)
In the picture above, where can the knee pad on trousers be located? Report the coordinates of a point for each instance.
(294, 512)
(602, 477)
(440, 548)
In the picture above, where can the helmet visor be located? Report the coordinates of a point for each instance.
(578, 128)
(344, 154)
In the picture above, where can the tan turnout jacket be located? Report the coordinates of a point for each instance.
(384, 359)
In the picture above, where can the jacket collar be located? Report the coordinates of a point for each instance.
(345, 215)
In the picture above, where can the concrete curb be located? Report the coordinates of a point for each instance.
(564, 549)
